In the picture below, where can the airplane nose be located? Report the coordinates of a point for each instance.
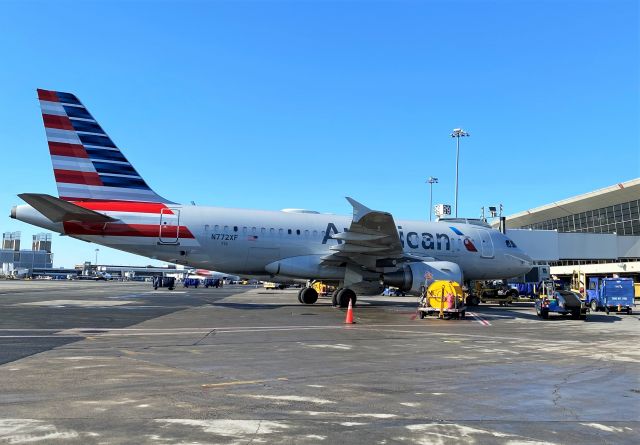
(519, 262)
(524, 257)
(526, 263)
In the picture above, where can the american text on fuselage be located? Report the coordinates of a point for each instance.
(428, 242)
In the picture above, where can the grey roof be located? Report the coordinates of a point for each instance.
(615, 194)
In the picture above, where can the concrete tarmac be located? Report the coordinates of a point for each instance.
(120, 363)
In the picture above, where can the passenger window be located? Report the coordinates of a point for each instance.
(263, 230)
(272, 231)
(289, 231)
(226, 228)
(306, 233)
(315, 233)
(253, 229)
(280, 232)
(298, 232)
(244, 229)
(217, 227)
(235, 228)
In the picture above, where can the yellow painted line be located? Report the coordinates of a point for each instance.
(241, 382)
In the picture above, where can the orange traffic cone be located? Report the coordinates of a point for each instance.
(349, 319)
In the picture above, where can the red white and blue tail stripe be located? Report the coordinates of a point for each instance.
(87, 165)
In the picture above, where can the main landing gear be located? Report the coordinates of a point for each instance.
(307, 295)
(340, 297)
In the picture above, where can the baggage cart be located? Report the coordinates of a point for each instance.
(168, 282)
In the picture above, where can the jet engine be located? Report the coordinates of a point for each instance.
(413, 275)
(305, 266)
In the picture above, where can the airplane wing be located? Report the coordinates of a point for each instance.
(372, 241)
(58, 210)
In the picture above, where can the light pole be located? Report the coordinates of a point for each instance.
(431, 181)
(458, 133)
(97, 250)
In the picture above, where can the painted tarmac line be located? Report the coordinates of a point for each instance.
(242, 382)
(479, 319)
(41, 336)
(432, 333)
(156, 333)
(206, 328)
(126, 332)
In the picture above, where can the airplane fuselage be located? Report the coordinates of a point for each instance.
(245, 242)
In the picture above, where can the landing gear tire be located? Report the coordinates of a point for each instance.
(473, 300)
(334, 296)
(420, 315)
(629, 311)
(343, 297)
(308, 295)
(300, 295)
(594, 305)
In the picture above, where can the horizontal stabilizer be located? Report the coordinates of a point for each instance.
(58, 210)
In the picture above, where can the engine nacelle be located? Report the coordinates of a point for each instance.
(413, 275)
(306, 267)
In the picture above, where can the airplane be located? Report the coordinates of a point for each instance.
(102, 199)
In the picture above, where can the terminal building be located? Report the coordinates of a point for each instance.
(38, 263)
(597, 233)
(16, 261)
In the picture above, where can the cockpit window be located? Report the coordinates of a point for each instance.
(510, 243)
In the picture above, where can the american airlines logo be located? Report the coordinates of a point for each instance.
(414, 240)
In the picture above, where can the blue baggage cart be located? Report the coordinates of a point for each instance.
(611, 294)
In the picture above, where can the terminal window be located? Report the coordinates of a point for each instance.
(622, 219)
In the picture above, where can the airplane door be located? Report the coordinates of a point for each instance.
(169, 226)
(486, 251)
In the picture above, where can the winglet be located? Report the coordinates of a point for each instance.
(58, 210)
(359, 210)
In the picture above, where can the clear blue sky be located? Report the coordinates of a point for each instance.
(297, 104)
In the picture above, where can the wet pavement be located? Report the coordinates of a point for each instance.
(119, 363)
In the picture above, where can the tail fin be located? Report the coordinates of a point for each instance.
(87, 164)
